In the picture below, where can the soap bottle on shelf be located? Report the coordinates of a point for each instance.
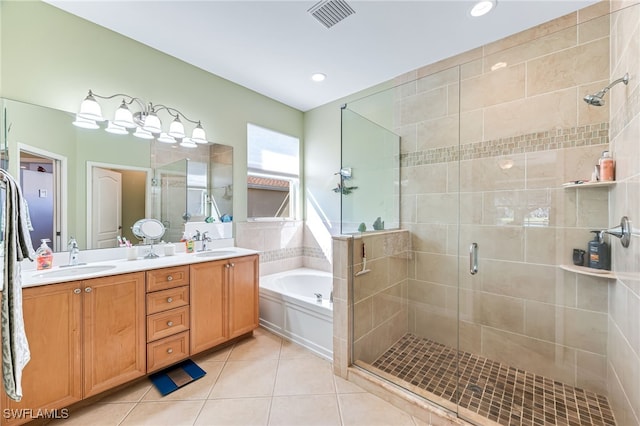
(44, 256)
(598, 252)
(607, 167)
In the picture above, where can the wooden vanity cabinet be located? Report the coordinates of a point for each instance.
(53, 377)
(85, 337)
(113, 331)
(224, 300)
(168, 314)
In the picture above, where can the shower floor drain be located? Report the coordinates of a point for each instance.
(475, 389)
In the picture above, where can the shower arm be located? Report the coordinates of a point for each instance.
(624, 79)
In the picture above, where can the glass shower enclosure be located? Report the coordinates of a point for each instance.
(479, 308)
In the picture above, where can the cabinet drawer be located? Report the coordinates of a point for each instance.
(166, 323)
(161, 279)
(167, 299)
(167, 351)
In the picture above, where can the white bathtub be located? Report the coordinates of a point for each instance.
(290, 308)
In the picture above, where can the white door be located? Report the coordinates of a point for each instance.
(106, 207)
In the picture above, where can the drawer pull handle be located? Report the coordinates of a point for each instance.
(87, 290)
(76, 291)
(169, 351)
(233, 265)
(169, 299)
(170, 323)
(227, 266)
(169, 278)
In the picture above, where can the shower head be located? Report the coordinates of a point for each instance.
(597, 99)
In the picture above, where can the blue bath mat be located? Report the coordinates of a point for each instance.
(176, 376)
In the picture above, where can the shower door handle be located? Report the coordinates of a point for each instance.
(473, 258)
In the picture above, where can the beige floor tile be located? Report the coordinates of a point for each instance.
(251, 378)
(230, 412)
(157, 413)
(262, 345)
(98, 414)
(308, 410)
(344, 386)
(198, 389)
(293, 350)
(304, 376)
(132, 393)
(221, 355)
(369, 410)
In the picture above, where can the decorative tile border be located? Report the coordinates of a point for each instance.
(594, 134)
(289, 253)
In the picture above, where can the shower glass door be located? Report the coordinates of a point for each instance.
(492, 320)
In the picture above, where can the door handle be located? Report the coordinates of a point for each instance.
(473, 258)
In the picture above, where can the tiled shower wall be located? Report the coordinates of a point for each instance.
(515, 108)
(623, 375)
(283, 245)
(370, 301)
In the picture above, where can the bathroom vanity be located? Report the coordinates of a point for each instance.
(102, 330)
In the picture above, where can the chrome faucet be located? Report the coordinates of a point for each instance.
(74, 252)
(205, 239)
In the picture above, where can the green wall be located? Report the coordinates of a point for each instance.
(52, 58)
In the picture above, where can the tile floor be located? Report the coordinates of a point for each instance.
(496, 391)
(263, 380)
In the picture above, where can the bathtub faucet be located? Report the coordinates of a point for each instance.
(318, 297)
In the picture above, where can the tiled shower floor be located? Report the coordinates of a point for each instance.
(492, 390)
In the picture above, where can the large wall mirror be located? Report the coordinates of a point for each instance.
(93, 185)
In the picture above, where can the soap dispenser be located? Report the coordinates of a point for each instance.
(44, 256)
(598, 252)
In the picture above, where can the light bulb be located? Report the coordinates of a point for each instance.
(115, 129)
(152, 123)
(165, 138)
(85, 123)
(176, 129)
(90, 109)
(198, 135)
(123, 117)
(142, 134)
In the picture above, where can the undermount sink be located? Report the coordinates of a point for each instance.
(74, 271)
(216, 253)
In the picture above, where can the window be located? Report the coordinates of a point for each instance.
(273, 161)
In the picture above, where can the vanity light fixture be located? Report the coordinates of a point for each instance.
(482, 7)
(145, 120)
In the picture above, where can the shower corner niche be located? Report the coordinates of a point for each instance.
(584, 270)
(592, 272)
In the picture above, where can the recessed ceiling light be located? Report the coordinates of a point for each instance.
(482, 7)
(318, 77)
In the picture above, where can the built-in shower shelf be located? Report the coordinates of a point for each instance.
(601, 273)
(587, 184)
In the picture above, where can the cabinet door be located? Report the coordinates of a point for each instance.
(114, 341)
(208, 327)
(52, 378)
(243, 295)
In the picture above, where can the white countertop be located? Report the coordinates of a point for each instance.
(58, 274)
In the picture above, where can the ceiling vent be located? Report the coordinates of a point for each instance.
(330, 12)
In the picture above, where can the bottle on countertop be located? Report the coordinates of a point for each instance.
(598, 252)
(607, 167)
(44, 256)
(189, 244)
